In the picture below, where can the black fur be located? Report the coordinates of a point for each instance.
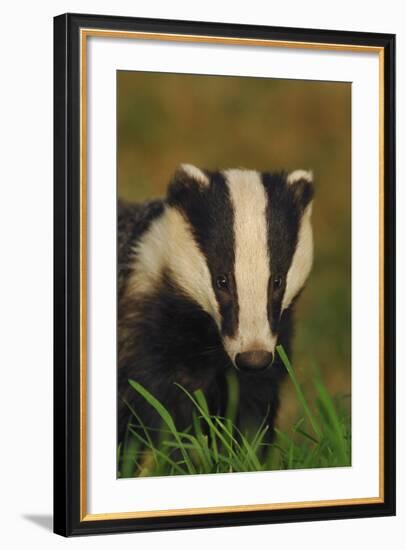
(167, 338)
(286, 204)
(174, 340)
(209, 211)
(132, 221)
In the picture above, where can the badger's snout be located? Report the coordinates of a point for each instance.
(256, 360)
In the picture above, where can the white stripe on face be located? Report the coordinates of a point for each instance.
(252, 263)
(302, 259)
(169, 244)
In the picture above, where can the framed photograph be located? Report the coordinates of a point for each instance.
(224, 249)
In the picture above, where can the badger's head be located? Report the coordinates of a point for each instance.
(238, 243)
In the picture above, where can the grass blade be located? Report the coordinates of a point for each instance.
(166, 417)
(299, 392)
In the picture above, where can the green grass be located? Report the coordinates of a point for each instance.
(320, 437)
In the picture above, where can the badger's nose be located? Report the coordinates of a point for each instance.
(256, 360)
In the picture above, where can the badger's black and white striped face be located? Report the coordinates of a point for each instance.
(237, 242)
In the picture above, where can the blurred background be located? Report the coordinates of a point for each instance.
(219, 122)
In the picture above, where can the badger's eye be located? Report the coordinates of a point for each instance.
(277, 282)
(222, 282)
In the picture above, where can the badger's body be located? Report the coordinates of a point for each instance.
(207, 279)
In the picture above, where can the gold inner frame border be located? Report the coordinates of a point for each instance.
(85, 33)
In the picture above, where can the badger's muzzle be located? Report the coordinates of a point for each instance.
(256, 360)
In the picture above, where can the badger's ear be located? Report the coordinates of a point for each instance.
(301, 184)
(186, 178)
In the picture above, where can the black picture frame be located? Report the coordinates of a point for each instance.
(68, 520)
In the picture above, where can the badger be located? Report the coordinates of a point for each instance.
(207, 282)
